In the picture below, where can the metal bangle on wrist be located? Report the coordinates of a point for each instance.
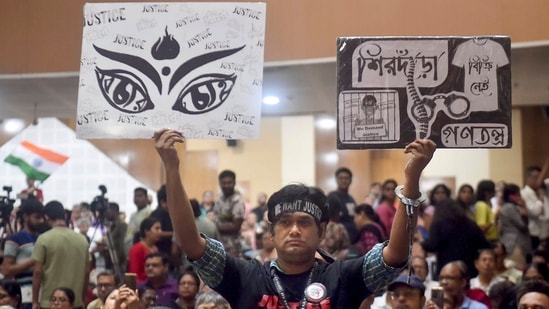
(408, 201)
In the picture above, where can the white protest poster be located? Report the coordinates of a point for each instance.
(453, 90)
(194, 67)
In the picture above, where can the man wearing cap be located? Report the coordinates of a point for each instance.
(298, 214)
(404, 294)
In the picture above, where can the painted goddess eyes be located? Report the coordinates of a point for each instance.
(204, 93)
(123, 91)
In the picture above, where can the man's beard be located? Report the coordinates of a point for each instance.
(33, 228)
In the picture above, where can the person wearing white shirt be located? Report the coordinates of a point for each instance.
(534, 204)
(486, 267)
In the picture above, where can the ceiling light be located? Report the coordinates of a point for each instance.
(13, 125)
(330, 158)
(271, 100)
(326, 123)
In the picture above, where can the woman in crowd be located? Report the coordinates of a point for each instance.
(121, 298)
(387, 209)
(536, 271)
(466, 199)
(62, 298)
(453, 236)
(336, 241)
(484, 216)
(10, 294)
(189, 284)
(438, 194)
(150, 232)
(509, 272)
(370, 228)
(513, 225)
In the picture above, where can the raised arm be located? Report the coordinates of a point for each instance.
(181, 213)
(421, 151)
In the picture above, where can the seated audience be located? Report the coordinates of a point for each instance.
(106, 281)
(211, 300)
(370, 229)
(421, 270)
(157, 269)
(147, 297)
(189, 284)
(11, 294)
(336, 241)
(268, 252)
(121, 298)
(486, 267)
(536, 271)
(533, 294)
(504, 267)
(503, 295)
(62, 298)
(406, 292)
(453, 279)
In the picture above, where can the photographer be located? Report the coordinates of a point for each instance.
(6, 209)
(117, 230)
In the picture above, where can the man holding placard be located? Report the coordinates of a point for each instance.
(298, 215)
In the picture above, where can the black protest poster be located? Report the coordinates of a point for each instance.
(453, 90)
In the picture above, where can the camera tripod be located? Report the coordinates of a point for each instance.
(110, 246)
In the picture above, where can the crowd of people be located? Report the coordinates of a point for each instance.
(484, 247)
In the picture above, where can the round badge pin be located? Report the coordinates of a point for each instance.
(316, 292)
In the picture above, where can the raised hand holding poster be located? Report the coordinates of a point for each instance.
(453, 90)
(194, 67)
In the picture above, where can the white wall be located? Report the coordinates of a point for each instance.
(78, 179)
(466, 165)
(298, 150)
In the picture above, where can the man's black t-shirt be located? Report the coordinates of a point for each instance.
(248, 284)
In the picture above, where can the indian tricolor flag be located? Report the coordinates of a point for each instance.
(36, 162)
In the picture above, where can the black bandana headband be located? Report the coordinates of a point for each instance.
(298, 205)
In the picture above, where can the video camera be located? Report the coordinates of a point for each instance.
(100, 204)
(6, 205)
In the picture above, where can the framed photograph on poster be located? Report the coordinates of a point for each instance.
(453, 90)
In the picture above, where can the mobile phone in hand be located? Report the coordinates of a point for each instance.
(130, 280)
(437, 296)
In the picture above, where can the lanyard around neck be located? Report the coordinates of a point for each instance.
(280, 289)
